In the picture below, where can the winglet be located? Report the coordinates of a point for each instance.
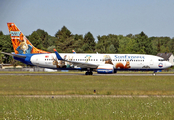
(74, 51)
(57, 55)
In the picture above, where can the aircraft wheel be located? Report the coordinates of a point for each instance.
(115, 71)
(90, 73)
(154, 74)
(87, 73)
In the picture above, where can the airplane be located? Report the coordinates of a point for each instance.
(25, 52)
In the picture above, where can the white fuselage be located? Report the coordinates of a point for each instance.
(119, 61)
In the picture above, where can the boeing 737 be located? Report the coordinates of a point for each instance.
(25, 52)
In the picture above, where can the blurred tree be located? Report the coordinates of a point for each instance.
(107, 44)
(127, 45)
(78, 43)
(154, 42)
(130, 36)
(50, 48)
(158, 46)
(112, 49)
(36, 40)
(6, 46)
(1, 33)
(1, 57)
(113, 39)
(52, 40)
(63, 34)
(171, 45)
(44, 37)
(64, 40)
(89, 42)
(101, 45)
(143, 44)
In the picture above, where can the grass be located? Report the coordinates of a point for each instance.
(85, 85)
(87, 108)
(77, 108)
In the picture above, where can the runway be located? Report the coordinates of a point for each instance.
(91, 96)
(117, 74)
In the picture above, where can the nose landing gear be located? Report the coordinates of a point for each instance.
(154, 73)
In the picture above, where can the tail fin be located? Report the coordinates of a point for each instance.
(21, 44)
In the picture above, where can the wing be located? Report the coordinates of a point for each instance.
(75, 63)
(83, 65)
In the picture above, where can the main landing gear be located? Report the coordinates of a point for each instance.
(89, 73)
(115, 71)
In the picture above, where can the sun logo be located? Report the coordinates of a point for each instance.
(160, 65)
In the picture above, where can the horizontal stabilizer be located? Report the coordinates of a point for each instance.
(15, 55)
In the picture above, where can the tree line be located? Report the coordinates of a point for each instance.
(64, 41)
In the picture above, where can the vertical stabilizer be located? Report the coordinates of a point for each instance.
(21, 44)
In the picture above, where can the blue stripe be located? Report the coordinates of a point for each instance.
(25, 60)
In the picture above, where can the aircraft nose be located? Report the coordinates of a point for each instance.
(168, 64)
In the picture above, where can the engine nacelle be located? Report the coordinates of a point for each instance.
(105, 69)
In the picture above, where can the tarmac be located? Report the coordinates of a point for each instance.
(117, 74)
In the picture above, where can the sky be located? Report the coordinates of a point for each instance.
(100, 17)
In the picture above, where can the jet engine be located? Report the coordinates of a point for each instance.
(105, 69)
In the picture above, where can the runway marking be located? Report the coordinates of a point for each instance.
(91, 96)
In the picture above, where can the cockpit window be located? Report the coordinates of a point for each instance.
(160, 59)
